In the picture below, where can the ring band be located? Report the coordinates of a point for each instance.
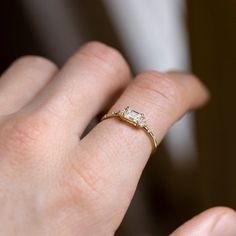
(134, 118)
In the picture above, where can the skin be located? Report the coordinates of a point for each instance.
(52, 181)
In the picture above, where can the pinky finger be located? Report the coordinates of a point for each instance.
(21, 82)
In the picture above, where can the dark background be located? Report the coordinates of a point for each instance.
(166, 197)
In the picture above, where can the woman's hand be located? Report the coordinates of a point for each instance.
(52, 181)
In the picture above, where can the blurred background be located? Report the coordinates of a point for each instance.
(195, 167)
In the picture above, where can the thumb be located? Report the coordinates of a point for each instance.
(217, 221)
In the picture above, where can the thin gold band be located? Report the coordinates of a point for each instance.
(134, 118)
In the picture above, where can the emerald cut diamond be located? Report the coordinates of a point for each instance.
(133, 116)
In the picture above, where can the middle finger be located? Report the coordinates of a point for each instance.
(85, 85)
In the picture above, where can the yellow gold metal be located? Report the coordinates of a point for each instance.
(138, 121)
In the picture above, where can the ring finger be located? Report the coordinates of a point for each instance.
(85, 85)
(119, 151)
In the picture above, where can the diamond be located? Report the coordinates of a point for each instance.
(134, 116)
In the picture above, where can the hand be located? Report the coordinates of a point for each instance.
(52, 181)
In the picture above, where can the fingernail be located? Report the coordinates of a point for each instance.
(224, 224)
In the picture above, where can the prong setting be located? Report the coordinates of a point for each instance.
(133, 117)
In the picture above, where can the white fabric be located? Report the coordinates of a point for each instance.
(154, 36)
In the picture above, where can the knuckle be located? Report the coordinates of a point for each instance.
(90, 178)
(105, 56)
(22, 133)
(36, 62)
(88, 182)
(157, 86)
(81, 187)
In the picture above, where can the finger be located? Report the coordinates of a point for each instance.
(214, 222)
(86, 84)
(118, 152)
(22, 81)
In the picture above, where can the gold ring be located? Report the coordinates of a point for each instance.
(134, 118)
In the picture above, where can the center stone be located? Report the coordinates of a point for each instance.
(133, 115)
